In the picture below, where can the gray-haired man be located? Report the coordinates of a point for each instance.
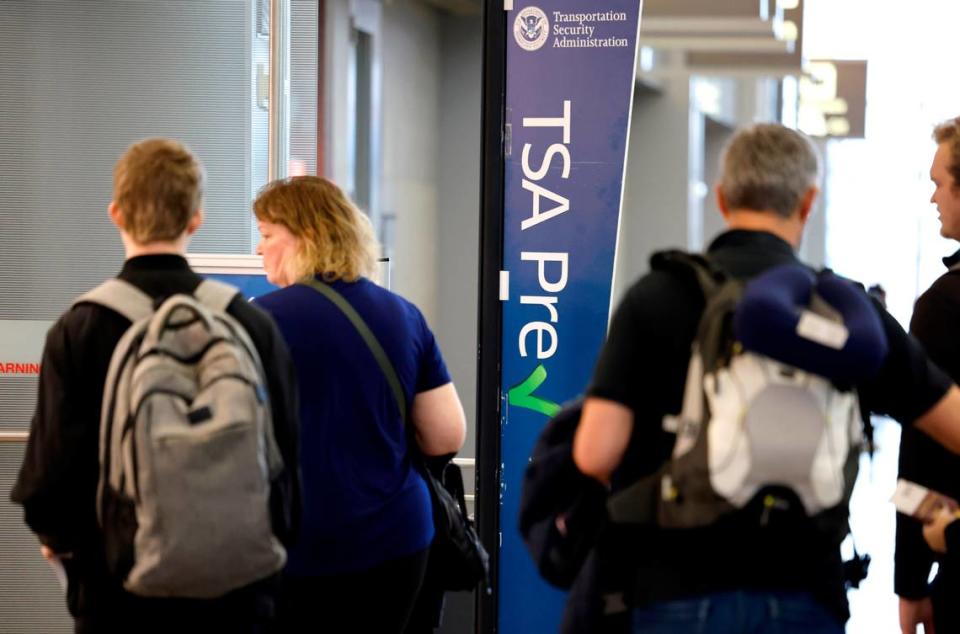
(734, 576)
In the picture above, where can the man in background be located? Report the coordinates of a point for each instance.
(936, 324)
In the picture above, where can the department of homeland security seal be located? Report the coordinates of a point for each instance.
(531, 28)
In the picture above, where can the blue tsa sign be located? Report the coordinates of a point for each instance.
(570, 76)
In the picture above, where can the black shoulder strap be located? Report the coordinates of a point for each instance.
(720, 294)
(369, 338)
(707, 274)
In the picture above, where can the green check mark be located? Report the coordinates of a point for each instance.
(522, 395)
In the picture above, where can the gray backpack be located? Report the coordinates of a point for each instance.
(187, 451)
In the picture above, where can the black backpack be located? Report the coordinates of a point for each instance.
(563, 521)
(562, 511)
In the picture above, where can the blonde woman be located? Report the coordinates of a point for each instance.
(367, 522)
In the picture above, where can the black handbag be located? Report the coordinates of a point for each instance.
(458, 561)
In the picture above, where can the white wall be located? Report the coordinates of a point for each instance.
(459, 207)
(715, 137)
(411, 142)
(655, 196)
(337, 68)
(431, 175)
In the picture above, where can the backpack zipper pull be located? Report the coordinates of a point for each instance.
(772, 502)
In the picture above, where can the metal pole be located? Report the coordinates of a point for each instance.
(278, 153)
(489, 320)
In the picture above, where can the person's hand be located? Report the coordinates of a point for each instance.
(915, 612)
(49, 555)
(933, 531)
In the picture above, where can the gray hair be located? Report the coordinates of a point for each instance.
(768, 166)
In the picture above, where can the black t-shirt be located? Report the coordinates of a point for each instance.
(922, 460)
(643, 365)
(57, 483)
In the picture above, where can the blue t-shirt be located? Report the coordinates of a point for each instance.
(364, 504)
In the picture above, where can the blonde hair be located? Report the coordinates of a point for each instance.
(334, 238)
(158, 185)
(949, 132)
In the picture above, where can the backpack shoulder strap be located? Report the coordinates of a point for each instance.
(720, 292)
(120, 296)
(703, 270)
(215, 295)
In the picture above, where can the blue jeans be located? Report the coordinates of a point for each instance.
(738, 612)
